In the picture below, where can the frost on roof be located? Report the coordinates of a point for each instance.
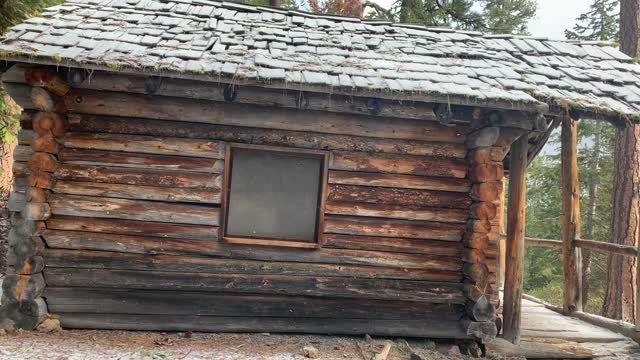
(259, 44)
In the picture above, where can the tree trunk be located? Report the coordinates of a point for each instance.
(619, 302)
(594, 164)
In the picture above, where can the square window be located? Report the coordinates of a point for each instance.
(274, 196)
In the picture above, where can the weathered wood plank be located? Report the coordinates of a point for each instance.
(398, 181)
(395, 196)
(344, 326)
(397, 164)
(407, 212)
(153, 302)
(143, 262)
(74, 205)
(133, 227)
(22, 153)
(380, 289)
(138, 192)
(394, 245)
(513, 282)
(153, 245)
(171, 108)
(140, 161)
(393, 228)
(132, 176)
(261, 136)
(145, 144)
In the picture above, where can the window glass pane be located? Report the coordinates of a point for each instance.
(273, 195)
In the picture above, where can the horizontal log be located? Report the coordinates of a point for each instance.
(223, 113)
(395, 196)
(153, 302)
(138, 192)
(607, 247)
(73, 205)
(447, 330)
(152, 245)
(393, 245)
(397, 164)
(171, 263)
(26, 137)
(131, 176)
(20, 169)
(140, 161)
(393, 228)
(145, 144)
(407, 212)
(261, 136)
(288, 98)
(353, 288)
(132, 227)
(398, 181)
(20, 93)
(542, 242)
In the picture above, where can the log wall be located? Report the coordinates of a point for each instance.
(132, 188)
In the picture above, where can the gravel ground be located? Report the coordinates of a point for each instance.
(92, 344)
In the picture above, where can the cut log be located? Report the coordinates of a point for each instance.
(36, 211)
(484, 137)
(26, 314)
(487, 155)
(145, 145)
(151, 302)
(140, 161)
(393, 228)
(46, 143)
(481, 310)
(143, 262)
(407, 212)
(22, 153)
(381, 289)
(486, 172)
(138, 192)
(484, 210)
(41, 161)
(396, 164)
(393, 245)
(20, 169)
(22, 287)
(394, 196)
(131, 227)
(398, 181)
(27, 265)
(485, 331)
(48, 79)
(486, 191)
(171, 108)
(41, 179)
(17, 201)
(131, 176)
(43, 100)
(45, 123)
(73, 205)
(261, 136)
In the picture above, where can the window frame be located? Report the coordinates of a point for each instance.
(322, 196)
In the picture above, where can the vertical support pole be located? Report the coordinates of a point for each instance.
(515, 240)
(571, 255)
(502, 246)
(638, 290)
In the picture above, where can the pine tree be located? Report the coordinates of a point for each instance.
(13, 12)
(600, 23)
(508, 16)
(412, 12)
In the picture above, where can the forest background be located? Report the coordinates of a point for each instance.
(543, 266)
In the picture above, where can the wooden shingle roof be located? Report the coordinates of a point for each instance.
(231, 42)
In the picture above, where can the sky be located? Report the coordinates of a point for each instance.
(554, 16)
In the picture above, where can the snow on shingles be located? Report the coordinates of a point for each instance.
(204, 37)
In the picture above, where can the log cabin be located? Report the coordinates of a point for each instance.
(213, 166)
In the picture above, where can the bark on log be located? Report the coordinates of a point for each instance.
(571, 255)
(402, 229)
(145, 144)
(72, 205)
(399, 181)
(381, 289)
(131, 176)
(407, 212)
(394, 196)
(170, 108)
(150, 302)
(396, 164)
(132, 227)
(261, 136)
(190, 264)
(140, 161)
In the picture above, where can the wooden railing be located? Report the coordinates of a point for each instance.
(625, 250)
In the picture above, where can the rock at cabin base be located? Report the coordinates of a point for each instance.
(49, 325)
(311, 352)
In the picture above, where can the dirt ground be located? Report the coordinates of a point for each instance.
(91, 344)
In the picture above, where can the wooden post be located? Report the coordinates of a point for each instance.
(571, 255)
(638, 290)
(515, 240)
(502, 250)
